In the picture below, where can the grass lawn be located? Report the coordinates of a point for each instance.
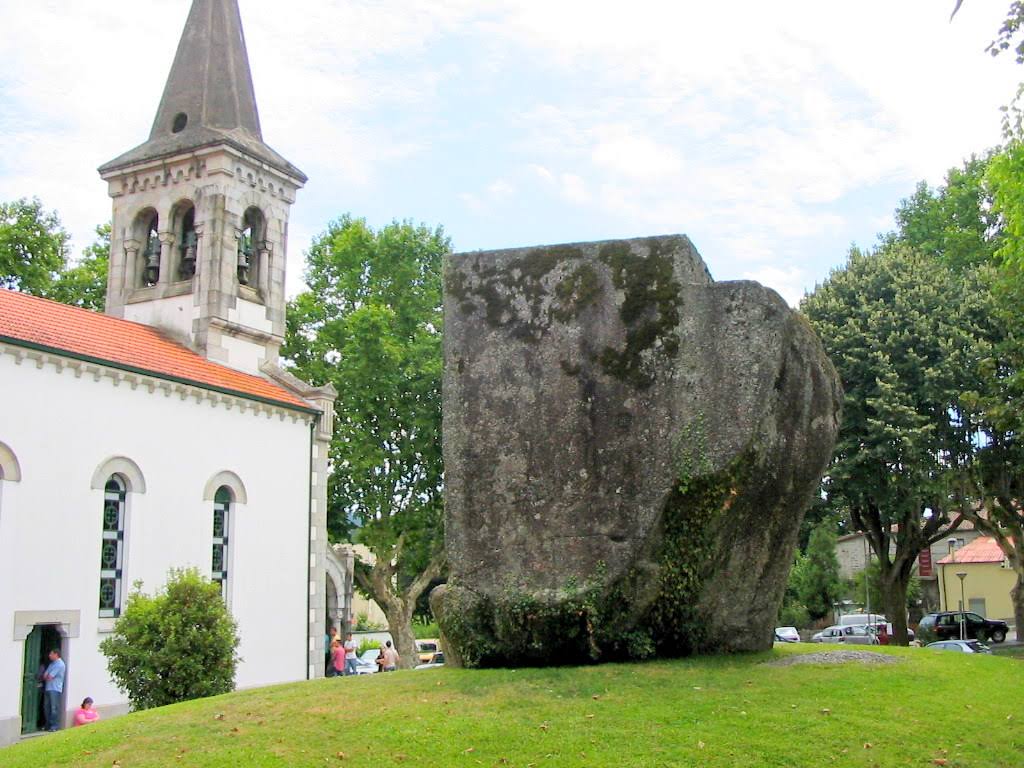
(930, 708)
(1012, 651)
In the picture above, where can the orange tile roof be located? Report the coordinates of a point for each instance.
(983, 549)
(43, 324)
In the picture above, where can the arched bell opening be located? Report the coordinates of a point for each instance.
(186, 239)
(250, 246)
(146, 229)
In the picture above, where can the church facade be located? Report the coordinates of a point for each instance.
(165, 434)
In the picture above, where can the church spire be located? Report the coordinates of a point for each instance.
(209, 97)
(210, 83)
(200, 210)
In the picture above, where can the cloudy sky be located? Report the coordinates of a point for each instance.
(773, 134)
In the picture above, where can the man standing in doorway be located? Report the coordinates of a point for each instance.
(53, 690)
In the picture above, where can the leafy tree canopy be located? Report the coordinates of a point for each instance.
(1008, 31)
(34, 257)
(818, 585)
(954, 222)
(371, 325)
(33, 247)
(903, 331)
(84, 283)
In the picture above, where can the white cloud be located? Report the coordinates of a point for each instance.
(789, 282)
(750, 123)
(635, 156)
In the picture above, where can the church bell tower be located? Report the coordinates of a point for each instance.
(200, 210)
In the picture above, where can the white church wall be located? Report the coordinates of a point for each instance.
(11, 495)
(251, 315)
(174, 314)
(66, 426)
(240, 353)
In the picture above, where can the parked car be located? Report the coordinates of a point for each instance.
(847, 635)
(883, 631)
(860, 619)
(787, 635)
(945, 625)
(960, 646)
(436, 660)
(366, 662)
(426, 649)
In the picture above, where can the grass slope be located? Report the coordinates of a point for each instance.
(727, 711)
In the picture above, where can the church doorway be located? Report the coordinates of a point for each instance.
(40, 641)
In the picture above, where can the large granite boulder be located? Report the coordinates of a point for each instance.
(629, 449)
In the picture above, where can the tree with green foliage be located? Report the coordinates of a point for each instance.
(371, 324)
(866, 586)
(1006, 177)
(818, 585)
(33, 247)
(974, 223)
(34, 257)
(84, 283)
(1008, 30)
(903, 331)
(955, 222)
(177, 645)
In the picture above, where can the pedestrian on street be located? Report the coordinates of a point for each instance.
(337, 659)
(391, 658)
(350, 655)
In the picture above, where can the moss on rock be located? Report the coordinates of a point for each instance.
(650, 310)
(632, 617)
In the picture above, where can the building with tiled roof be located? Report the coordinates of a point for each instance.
(853, 552)
(43, 326)
(164, 434)
(984, 549)
(979, 578)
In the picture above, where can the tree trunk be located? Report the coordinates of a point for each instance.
(1017, 593)
(398, 608)
(894, 598)
(400, 627)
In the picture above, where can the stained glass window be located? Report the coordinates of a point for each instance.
(112, 547)
(221, 521)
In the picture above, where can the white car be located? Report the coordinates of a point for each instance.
(366, 663)
(787, 635)
(960, 646)
(847, 635)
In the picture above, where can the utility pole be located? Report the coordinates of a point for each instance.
(867, 590)
(963, 616)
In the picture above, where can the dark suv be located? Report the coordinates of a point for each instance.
(946, 626)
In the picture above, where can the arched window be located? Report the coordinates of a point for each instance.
(10, 471)
(187, 239)
(250, 243)
(112, 547)
(149, 229)
(221, 529)
(9, 468)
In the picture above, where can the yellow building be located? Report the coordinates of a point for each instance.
(985, 584)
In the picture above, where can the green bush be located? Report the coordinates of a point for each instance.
(424, 630)
(366, 645)
(177, 645)
(794, 615)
